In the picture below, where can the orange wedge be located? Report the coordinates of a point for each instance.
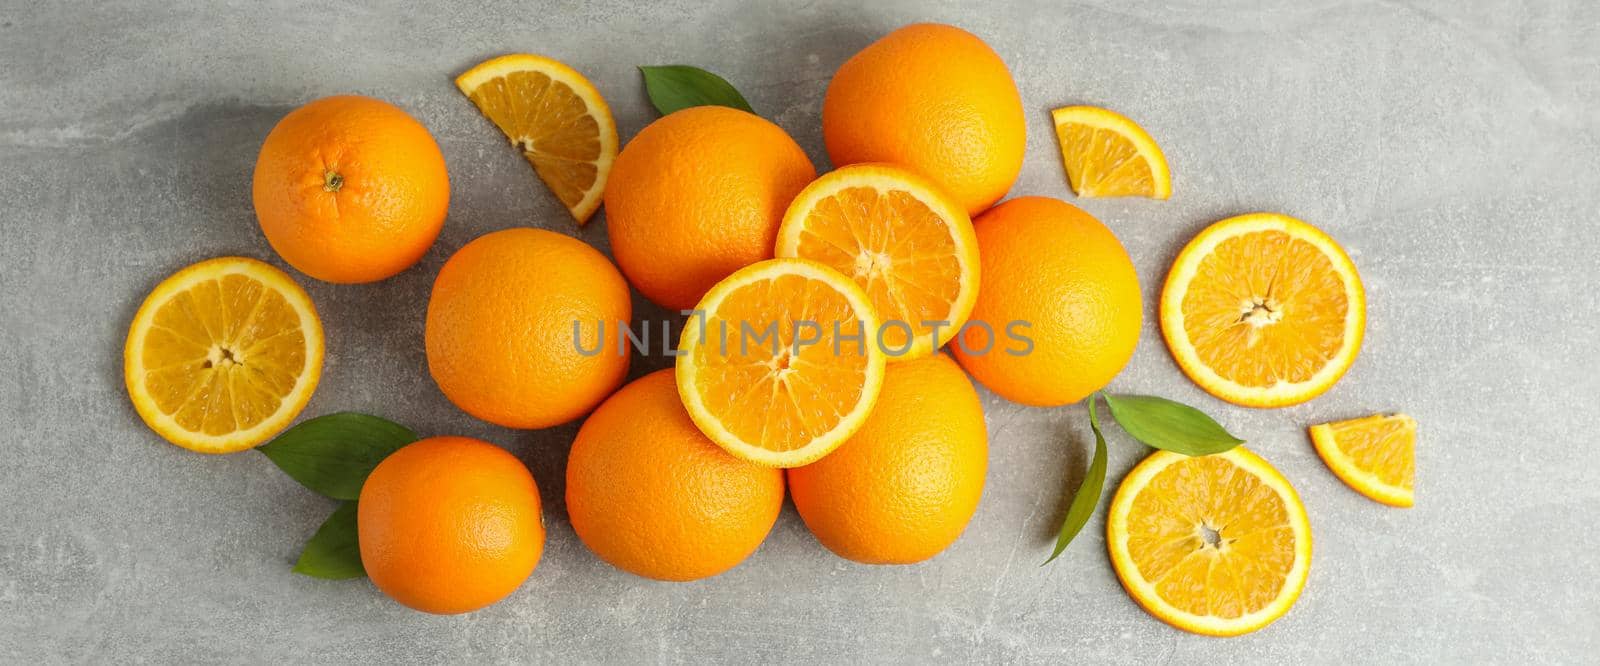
(223, 355)
(1217, 545)
(1263, 310)
(556, 117)
(1108, 155)
(907, 244)
(779, 365)
(1374, 455)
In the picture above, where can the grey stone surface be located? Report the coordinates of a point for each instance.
(1450, 146)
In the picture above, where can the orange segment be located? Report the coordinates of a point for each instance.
(897, 236)
(1108, 155)
(556, 117)
(1374, 455)
(223, 354)
(1263, 310)
(770, 368)
(1216, 545)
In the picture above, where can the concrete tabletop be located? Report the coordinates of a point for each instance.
(1451, 147)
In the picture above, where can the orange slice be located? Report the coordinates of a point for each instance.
(1263, 310)
(1374, 455)
(1108, 155)
(556, 117)
(907, 244)
(1217, 545)
(223, 355)
(771, 368)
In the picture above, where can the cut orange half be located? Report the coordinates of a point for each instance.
(1108, 155)
(1375, 455)
(779, 364)
(1217, 545)
(907, 244)
(223, 355)
(555, 117)
(1263, 310)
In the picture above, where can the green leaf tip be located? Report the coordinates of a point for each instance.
(1169, 425)
(333, 454)
(334, 552)
(676, 87)
(1088, 495)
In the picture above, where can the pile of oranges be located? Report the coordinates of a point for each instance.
(862, 418)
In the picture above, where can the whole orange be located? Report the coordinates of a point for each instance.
(652, 496)
(935, 99)
(903, 488)
(697, 195)
(523, 328)
(350, 189)
(449, 525)
(1059, 304)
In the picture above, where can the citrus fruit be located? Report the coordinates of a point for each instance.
(1263, 310)
(901, 239)
(1374, 455)
(449, 525)
(350, 189)
(935, 99)
(1108, 155)
(555, 117)
(902, 488)
(222, 355)
(1216, 545)
(781, 364)
(524, 328)
(648, 493)
(697, 195)
(1059, 311)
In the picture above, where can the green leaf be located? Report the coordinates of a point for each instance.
(333, 552)
(1170, 425)
(675, 87)
(333, 454)
(1088, 496)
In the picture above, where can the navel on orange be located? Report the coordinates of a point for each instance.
(904, 241)
(781, 363)
(1374, 455)
(1263, 310)
(223, 355)
(555, 117)
(1108, 155)
(1216, 545)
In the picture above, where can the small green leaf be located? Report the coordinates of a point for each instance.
(1170, 425)
(1088, 496)
(333, 552)
(674, 87)
(333, 454)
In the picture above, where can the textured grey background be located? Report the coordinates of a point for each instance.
(1450, 146)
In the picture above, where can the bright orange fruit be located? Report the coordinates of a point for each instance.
(904, 487)
(1374, 455)
(767, 388)
(449, 525)
(500, 328)
(697, 195)
(648, 493)
(350, 189)
(935, 99)
(1263, 310)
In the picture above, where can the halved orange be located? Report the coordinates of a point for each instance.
(223, 354)
(1263, 310)
(905, 242)
(1374, 455)
(1108, 155)
(780, 364)
(556, 117)
(1217, 545)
